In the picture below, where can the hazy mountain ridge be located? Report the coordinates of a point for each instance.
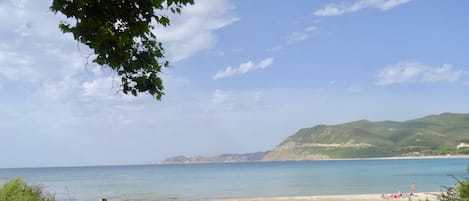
(224, 158)
(427, 136)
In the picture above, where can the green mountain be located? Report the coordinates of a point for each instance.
(432, 135)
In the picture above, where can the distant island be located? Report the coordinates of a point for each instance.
(434, 135)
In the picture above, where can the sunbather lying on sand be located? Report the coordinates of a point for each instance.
(393, 196)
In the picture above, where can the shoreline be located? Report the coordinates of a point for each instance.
(332, 159)
(396, 158)
(431, 196)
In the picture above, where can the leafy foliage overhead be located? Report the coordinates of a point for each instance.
(119, 32)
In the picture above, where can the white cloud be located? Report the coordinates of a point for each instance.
(301, 35)
(97, 70)
(236, 100)
(411, 72)
(274, 48)
(335, 9)
(66, 89)
(243, 68)
(100, 86)
(34, 49)
(294, 37)
(193, 30)
(219, 96)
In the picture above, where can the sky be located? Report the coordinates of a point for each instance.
(244, 75)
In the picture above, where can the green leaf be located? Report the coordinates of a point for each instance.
(119, 34)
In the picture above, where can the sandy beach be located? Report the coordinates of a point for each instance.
(432, 196)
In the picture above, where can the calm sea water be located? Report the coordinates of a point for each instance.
(205, 181)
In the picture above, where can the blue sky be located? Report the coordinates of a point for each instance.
(244, 75)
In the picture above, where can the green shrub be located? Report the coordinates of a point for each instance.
(18, 190)
(463, 189)
(458, 193)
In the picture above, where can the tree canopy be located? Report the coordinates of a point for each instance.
(119, 33)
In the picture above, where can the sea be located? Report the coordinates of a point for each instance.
(253, 179)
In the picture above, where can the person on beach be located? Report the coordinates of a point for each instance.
(392, 196)
(413, 189)
(384, 196)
